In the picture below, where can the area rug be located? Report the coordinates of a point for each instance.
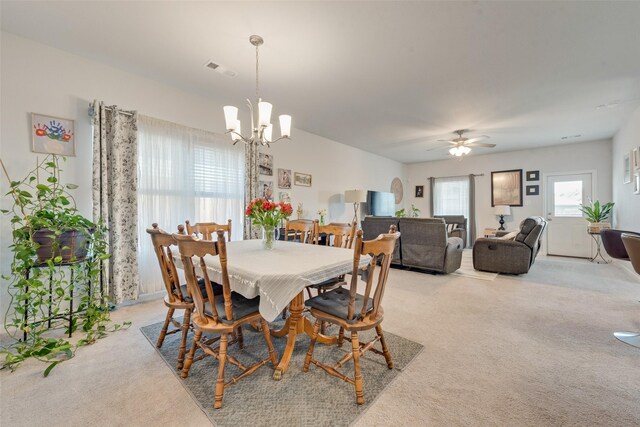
(466, 268)
(299, 399)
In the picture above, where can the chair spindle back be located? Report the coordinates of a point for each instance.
(207, 230)
(343, 234)
(380, 250)
(303, 230)
(191, 247)
(162, 242)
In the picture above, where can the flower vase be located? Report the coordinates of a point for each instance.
(269, 237)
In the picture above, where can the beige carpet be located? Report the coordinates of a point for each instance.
(466, 268)
(533, 350)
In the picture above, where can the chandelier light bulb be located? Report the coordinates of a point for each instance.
(230, 116)
(264, 113)
(285, 125)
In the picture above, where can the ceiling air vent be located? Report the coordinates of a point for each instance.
(220, 69)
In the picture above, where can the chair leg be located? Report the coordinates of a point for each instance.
(189, 361)
(222, 359)
(355, 348)
(284, 314)
(240, 337)
(183, 342)
(267, 338)
(340, 337)
(323, 328)
(309, 292)
(314, 337)
(385, 349)
(163, 332)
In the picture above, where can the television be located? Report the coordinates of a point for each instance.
(380, 203)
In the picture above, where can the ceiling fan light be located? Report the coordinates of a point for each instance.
(454, 151)
(464, 150)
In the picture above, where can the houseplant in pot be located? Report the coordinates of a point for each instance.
(48, 233)
(597, 214)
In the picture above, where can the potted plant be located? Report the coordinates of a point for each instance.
(415, 212)
(597, 214)
(50, 233)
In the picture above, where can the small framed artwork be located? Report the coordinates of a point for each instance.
(265, 164)
(284, 196)
(533, 190)
(627, 168)
(533, 175)
(419, 190)
(302, 179)
(52, 135)
(265, 190)
(635, 159)
(284, 178)
(636, 183)
(506, 187)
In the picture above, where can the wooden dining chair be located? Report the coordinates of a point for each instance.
(355, 312)
(178, 296)
(218, 313)
(300, 230)
(207, 230)
(337, 235)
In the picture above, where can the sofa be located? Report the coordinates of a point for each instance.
(456, 226)
(503, 255)
(424, 242)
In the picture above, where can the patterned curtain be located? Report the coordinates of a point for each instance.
(115, 196)
(251, 187)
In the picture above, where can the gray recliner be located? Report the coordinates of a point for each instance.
(456, 226)
(510, 256)
(423, 243)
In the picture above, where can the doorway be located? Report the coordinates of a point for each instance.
(567, 228)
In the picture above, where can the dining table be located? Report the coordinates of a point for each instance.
(279, 276)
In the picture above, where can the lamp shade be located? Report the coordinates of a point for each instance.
(285, 125)
(502, 210)
(355, 196)
(264, 113)
(230, 116)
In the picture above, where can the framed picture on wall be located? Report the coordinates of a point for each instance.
(302, 179)
(284, 178)
(506, 187)
(419, 190)
(636, 183)
(627, 168)
(265, 190)
(533, 175)
(635, 159)
(533, 190)
(52, 135)
(265, 164)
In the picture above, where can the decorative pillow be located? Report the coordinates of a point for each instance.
(509, 236)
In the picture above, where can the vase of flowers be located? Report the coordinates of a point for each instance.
(267, 215)
(322, 213)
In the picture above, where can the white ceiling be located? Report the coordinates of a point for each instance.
(386, 77)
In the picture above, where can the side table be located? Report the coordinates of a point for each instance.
(596, 238)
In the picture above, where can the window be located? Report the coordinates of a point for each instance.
(184, 173)
(451, 196)
(567, 198)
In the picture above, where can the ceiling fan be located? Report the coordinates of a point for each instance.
(461, 145)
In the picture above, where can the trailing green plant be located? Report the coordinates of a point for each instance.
(40, 291)
(595, 212)
(415, 212)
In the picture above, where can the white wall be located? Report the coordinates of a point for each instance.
(627, 209)
(594, 155)
(38, 78)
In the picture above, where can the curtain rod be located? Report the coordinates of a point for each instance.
(93, 113)
(457, 176)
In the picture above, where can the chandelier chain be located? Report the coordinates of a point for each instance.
(257, 80)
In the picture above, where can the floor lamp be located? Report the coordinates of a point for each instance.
(356, 197)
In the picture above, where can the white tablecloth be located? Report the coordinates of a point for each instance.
(278, 275)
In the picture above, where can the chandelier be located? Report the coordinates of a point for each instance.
(261, 127)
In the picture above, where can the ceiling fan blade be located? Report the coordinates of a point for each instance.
(448, 140)
(438, 147)
(476, 138)
(479, 144)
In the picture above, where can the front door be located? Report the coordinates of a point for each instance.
(567, 228)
